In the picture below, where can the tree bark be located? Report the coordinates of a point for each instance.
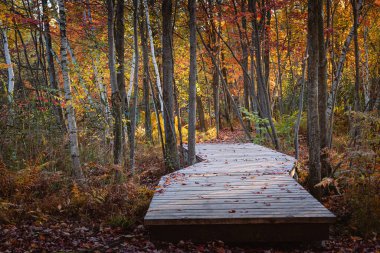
(312, 92)
(171, 159)
(51, 69)
(192, 82)
(154, 61)
(357, 56)
(266, 55)
(134, 100)
(146, 77)
(70, 111)
(8, 61)
(366, 82)
(116, 97)
(120, 63)
(201, 114)
(322, 91)
(300, 105)
(279, 72)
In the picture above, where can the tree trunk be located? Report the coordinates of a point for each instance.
(120, 69)
(312, 92)
(215, 94)
(300, 105)
(244, 61)
(366, 83)
(70, 111)
(116, 97)
(51, 69)
(267, 50)
(279, 72)
(192, 82)
(146, 77)
(171, 159)
(263, 96)
(337, 76)
(80, 78)
(322, 91)
(8, 61)
(201, 114)
(357, 57)
(134, 100)
(154, 61)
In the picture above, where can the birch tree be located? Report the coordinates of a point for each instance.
(70, 111)
(8, 61)
(152, 51)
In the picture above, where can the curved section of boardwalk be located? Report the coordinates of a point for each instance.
(239, 192)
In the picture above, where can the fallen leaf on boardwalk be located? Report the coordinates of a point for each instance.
(232, 211)
(160, 191)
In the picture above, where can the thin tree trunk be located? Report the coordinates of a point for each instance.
(357, 57)
(366, 83)
(51, 69)
(171, 159)
(192, 82)
(8, 61)
(267, 50)
(146, 77)
(201, 114)
(312, 92)
(134, 100)
(322, 91)
(244, 61)
(70, 111)
(116, 97)
(159, 128)
(227, 100)
(263, 96)
(337, 77)
(81, 80)
(154, 61)
(300, 105)
(120, 64)
(279, 73)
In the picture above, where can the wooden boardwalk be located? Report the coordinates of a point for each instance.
(239, 193)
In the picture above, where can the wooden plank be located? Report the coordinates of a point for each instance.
(182, 220)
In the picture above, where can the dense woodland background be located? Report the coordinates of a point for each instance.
(98, 99)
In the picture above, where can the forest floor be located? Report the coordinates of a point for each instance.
(60, 233)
